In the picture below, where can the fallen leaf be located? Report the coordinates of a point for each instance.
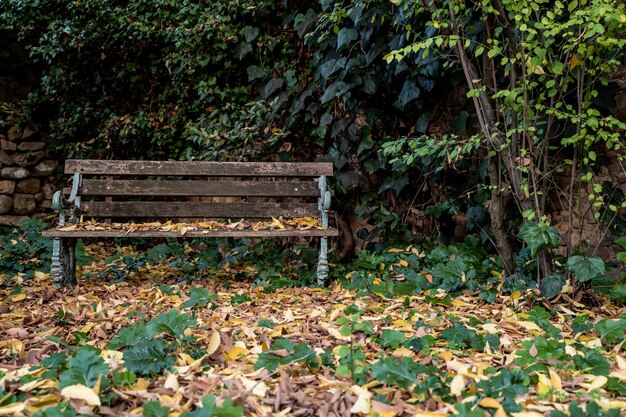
(81, 392)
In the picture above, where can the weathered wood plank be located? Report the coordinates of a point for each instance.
(199, 168)
(191, 233)
(178, 209)
(149, 187)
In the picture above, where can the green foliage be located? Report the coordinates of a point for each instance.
(147, 350)
(283, 352)
(23, 250)
(60, 410)
(154, 409)
(149, 357)
(508, 385)
(552, 285)
(539, 236)
(86, 367)
(172, 322)
(585, 268)
(211, 409)
(239, 299)
(199, 296)
(536, 353)
(591, 409)
(612, 331)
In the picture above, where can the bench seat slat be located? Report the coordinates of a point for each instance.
(177, 209)
(191, 233)
(199, 168)
(95, 187)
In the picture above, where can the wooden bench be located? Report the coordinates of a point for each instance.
(189, 191)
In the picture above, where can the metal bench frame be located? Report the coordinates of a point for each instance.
(69, 204)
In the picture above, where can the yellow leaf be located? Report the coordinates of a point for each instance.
(500, 413)
(621, 363)
(457, 386)
(141, 384)
(489, 403)
(18, 297)
(171, 382)
(35, 384)
(258, 388)
(527, 414)
(11, 409)
(619, 374)
(598, 382)
(529, 325)
(81, 392)
(574, 62)
(87, 327)
(446, 355)
(362, 404)
(403, 352)
(276, 224)
(555, 379)
(543, 386)
(214, 342)
(236, 353)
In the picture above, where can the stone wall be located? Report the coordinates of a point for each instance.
(26, 174)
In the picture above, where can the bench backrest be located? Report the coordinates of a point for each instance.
(190, 189)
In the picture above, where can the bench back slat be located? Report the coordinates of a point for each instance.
(199, 168)
(191, 188)
(178, 209)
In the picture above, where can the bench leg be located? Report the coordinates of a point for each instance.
(322, 264)
(63, 266)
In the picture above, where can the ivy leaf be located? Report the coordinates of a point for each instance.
(85, 368)
(611, 330)
(409, 92)
(151, 356)
(539, 236)
(585, 268)
(255, 72)
(552, 285)
(271, 86)
(345, 36)
(250, 33)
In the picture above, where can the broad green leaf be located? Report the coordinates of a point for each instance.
(585, 268)
(173, 323)
(85, 368)
(409, 92)
(211, 409)
(612, 330)
(345, 36)
(130, 335)
(155, 409)
(539, 236)
(250, 33)
(392, 338)
(150, 356)
(59, 410)
(621, 241)
(552, 285)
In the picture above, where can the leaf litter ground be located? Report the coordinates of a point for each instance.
(223, 347)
